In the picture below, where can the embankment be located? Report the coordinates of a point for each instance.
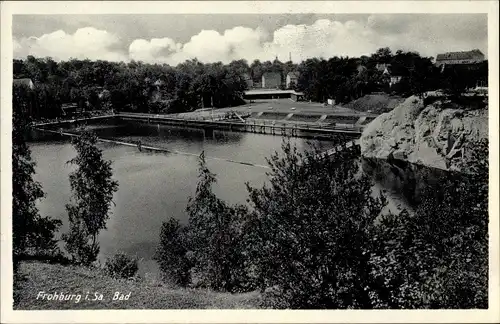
(143, 293)
(413, 145)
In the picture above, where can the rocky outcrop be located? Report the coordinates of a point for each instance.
(436, 135)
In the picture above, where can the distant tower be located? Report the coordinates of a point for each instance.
(290, 56)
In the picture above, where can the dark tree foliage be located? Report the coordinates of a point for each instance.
(438, 257)
(92, 190)
(135, 86)
(208, 251)
(172, 253)
(121, 266)
(311, 230)
(32, 234)
(214, 233)
(155, 88)
(316, 237)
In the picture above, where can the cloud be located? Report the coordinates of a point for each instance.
(157, 49)
(427, 34)
(206, 46)
(86, 42)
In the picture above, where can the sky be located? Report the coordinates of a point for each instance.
(174, 38)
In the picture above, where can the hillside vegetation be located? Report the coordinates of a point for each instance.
(375, 103)
(52, 278)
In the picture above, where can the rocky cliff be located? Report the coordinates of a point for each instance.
(437, 135)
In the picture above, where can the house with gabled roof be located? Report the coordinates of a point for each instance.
(396, 73)
(24, 82)
(271, 80)
(460, 58)
(292, 78)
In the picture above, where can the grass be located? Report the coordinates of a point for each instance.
(52, 278)
(376, 103)
(342, 119)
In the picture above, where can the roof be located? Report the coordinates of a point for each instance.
(382, 66)
(25, 81)
(467, 55)
(271, 92)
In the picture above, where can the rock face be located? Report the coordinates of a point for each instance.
(436, 135)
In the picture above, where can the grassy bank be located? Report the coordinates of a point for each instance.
(67, 280)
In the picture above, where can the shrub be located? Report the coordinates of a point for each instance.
(171, 253)
(121, 266)
(438, 257)
(311, 231)
(214, 234)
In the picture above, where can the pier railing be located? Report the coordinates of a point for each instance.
(239, 123)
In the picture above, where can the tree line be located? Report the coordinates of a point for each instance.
(160, 88)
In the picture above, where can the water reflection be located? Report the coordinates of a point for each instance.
(153, 186)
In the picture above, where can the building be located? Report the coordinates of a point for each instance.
(271, 80)
(292, 78)
(362, 71)
(396, 73)
(297, 96)
(25, 81)
(71, 109)
(382, 67)
(460, 58)
(248, 79)
(269, 94)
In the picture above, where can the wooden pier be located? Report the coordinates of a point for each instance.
(253, 126)
(282, 128)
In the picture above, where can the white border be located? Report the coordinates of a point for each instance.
(256, 316)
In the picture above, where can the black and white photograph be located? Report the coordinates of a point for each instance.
(308, 159)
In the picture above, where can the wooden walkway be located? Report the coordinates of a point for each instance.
(240, 124)
(270, 127)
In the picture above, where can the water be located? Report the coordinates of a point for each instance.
(154, 186)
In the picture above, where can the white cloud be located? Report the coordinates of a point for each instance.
(427, 34)
(86, 42)
(158, 49)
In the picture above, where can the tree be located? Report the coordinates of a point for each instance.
(31, 233)
(438, 257)
(311, 229)
(92, 190)
(214, 233)
(171, 253)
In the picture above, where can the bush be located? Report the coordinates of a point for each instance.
(438, 257)
(311, 231)
(210, 250)
(121, 266)
(171, 253)
(215, 237)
